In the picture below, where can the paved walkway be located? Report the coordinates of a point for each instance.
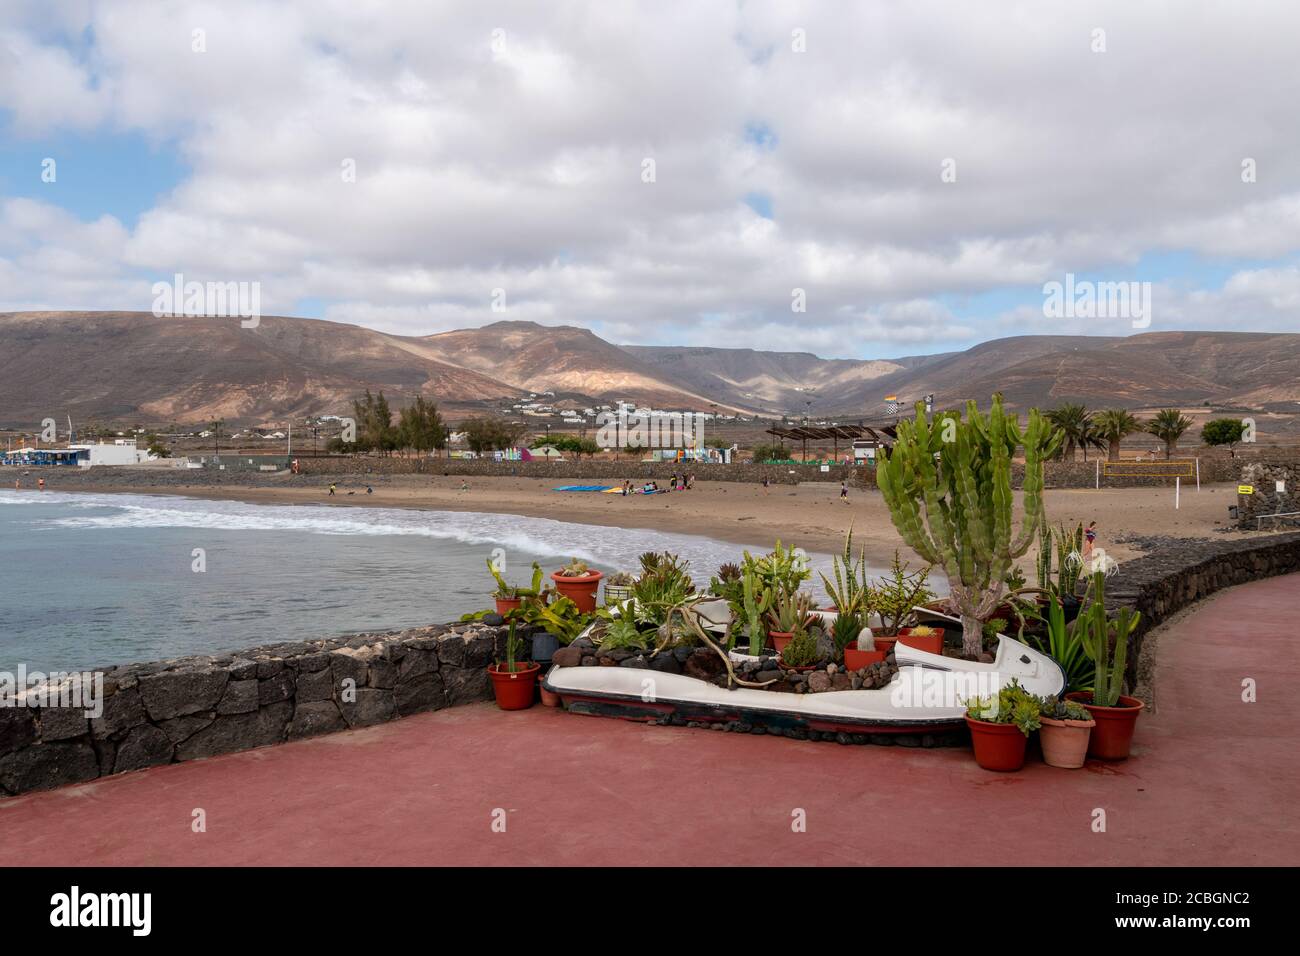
(1212, 781)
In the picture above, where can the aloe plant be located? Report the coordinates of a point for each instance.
(849, 591)
(1098, 633)
(561, 617)
(791, 611)
(507, 591)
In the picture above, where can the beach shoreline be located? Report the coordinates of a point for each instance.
(810, 515)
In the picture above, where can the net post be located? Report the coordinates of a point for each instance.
(1198, 472)
(1178, 487)
(1098, 474)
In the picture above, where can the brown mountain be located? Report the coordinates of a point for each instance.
(118, 366)
(129, 366)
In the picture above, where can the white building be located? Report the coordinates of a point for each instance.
(123, 451)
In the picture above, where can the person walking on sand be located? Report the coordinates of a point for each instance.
(844, 492)
(464, 485)
(331, 494)
(40, 483)
(1090, 538)
(766, 482)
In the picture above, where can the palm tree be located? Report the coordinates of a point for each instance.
(1169, 425)
(1073, 420)
(1091, 437)
(1113, 426)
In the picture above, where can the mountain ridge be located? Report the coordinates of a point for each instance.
(132, 365)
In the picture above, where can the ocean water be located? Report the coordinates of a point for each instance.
(91, 580)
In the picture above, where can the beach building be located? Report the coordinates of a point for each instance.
(122, 451)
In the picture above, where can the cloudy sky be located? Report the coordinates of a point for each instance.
(918, 169)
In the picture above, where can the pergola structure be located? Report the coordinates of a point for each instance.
(883, 435)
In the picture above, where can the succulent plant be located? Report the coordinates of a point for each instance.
(800, 650)
(574, 569)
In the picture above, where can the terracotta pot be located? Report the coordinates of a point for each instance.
(798, 670)
(581, 591)
(931, 643)
(1113, 736)
(1065, 742)
(514, 690)
(780, 639)
(998, 747)
(549, 697)
(855, 660)
(885, 642)
(506, 605)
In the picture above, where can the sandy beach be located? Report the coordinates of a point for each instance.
(810, 515)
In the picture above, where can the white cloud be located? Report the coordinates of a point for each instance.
(521, 168)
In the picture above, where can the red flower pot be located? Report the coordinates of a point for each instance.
(549, 697)
(885, 642)
(998, 747)
(931, 643)
(581, 591)
(506, 605)
(780, 639)
(515, 690)
(855, 660)
(1113, 736)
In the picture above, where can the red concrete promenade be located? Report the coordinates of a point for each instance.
(1212, 781)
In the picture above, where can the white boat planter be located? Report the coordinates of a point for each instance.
(925, 696)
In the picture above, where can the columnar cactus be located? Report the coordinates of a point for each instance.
(1097, 632)
(757, 602)
(948, 486)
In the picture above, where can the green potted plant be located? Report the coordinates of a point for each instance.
(895, 600)
(800, 651)
(847, 586)
(1065, 732)
(1105, 641)
(923, 638)
(1000, 727)
(514, 683)
(856, 643)
(578, 583)
(790, 611)
(508, 597)
(618, 587)
(561, 618)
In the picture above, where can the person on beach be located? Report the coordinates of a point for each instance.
(690, 481)
(766, 481)
(1089, 538)
(464, 485)
(369, 490)
(331, 494)
(40, 483)
(844, 492)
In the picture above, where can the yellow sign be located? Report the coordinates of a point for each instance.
(1245, 489)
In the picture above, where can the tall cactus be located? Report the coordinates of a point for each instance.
(1097, 633)
(1043, 564)
(757, 602)
(948, 486)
